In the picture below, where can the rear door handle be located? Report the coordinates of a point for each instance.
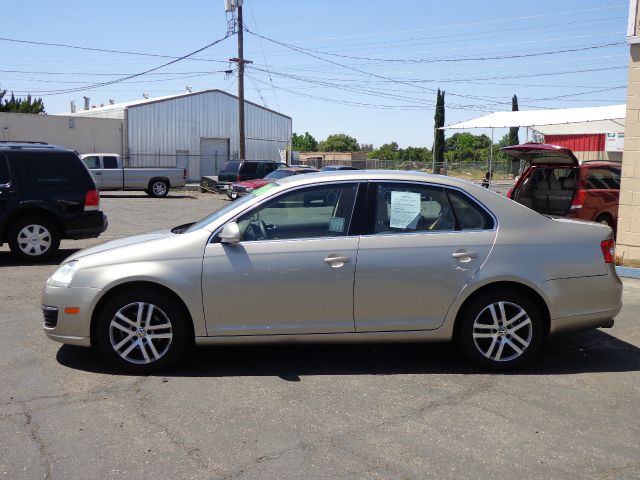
(337, 261)
(464, 254)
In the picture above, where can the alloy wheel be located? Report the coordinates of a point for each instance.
(159, 189)
(140, 333)
(502, 331)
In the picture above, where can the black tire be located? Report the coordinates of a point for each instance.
(167, 350)
(158, 188)
(605, 220)
(477, 321)
(35, 251)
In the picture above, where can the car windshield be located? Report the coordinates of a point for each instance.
(231, 166)
(279, 174)
(231, 206)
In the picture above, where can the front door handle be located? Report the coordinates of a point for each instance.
(337, 260)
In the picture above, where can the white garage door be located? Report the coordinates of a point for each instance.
(214, 152)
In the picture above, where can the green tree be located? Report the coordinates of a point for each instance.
(304, 143)
(438, 137)
(20, 105)
(513, 138)
(466, 147)
(339, 142)
(388, 151)
(366, 147)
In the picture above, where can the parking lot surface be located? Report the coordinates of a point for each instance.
(311, 411)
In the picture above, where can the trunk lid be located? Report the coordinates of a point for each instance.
(542, 154)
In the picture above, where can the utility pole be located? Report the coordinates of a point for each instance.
(234, 5)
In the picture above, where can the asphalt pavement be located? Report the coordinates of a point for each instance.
(313, 411)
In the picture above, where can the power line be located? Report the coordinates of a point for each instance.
(129, 77)
(265, 58)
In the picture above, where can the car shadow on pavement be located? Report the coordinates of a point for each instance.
(144, 195)
(593, 351)
(9, 260)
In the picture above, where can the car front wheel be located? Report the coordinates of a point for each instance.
(501, 331)
(142, 331)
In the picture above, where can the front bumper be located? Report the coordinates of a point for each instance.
(68, 327)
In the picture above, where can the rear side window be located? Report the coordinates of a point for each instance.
(50, 168)
(249, 167)
(231, 166)
(110, 162)
(5, 176)
(603, 178)
(469, 215)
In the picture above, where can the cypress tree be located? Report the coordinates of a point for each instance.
(513, 138)
(438, 137)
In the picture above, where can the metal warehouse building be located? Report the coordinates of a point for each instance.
(196, 130)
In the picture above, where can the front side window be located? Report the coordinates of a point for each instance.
(110, 162)
(323, 211)
(404, 208)
(92, 162)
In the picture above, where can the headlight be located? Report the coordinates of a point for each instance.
(63, 276)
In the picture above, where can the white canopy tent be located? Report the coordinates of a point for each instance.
(559, 121)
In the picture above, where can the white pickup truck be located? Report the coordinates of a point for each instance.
(108, 171)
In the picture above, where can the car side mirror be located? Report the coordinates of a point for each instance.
(230, 234)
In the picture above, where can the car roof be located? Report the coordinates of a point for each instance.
(9, 145)
(298, 169)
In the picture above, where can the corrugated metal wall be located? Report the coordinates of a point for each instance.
(578, 143)
(156, 130)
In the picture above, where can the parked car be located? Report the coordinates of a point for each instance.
(236, 171)
(46, 194)
(333, 168)
(399, 256)
(556, 183)
(110, 174)
(241, 189)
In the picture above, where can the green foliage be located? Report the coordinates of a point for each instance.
(391, 151)
(20, 105)
(339, 142)
(304, 143)
(513, 131)
(438, 138)
(466, 147)
(366, 147)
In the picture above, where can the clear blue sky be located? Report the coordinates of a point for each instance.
(387, 57)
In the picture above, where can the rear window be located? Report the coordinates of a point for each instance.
(603, 178)
(50, 168)
(231, 166)
(250, 167)
(4, 171)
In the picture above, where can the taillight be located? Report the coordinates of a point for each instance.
(92, 200)
(510, 192)
(578, 200)
(608, 250)
(238, 178)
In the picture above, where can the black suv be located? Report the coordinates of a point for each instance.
(237, 171)
(46, 194)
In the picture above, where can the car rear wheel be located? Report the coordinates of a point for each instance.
(34, 238)
(158, 188)
(501, 331)
(142, 331)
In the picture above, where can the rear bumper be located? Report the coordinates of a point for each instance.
(89, 225)
(583, 303)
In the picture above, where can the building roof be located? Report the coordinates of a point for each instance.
(559, 121)
(144, 101)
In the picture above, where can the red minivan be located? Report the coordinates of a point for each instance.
(556, 183)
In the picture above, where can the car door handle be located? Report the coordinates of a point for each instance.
(464, 254)
(337, 261)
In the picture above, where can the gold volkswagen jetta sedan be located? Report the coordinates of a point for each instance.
(364, 256)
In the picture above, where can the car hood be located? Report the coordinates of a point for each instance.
(121, 242)
(257, 183)
(542, 154)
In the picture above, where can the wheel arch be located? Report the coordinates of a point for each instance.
(115, 290)
(155, 179)
(29, 211)
(505, 286)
